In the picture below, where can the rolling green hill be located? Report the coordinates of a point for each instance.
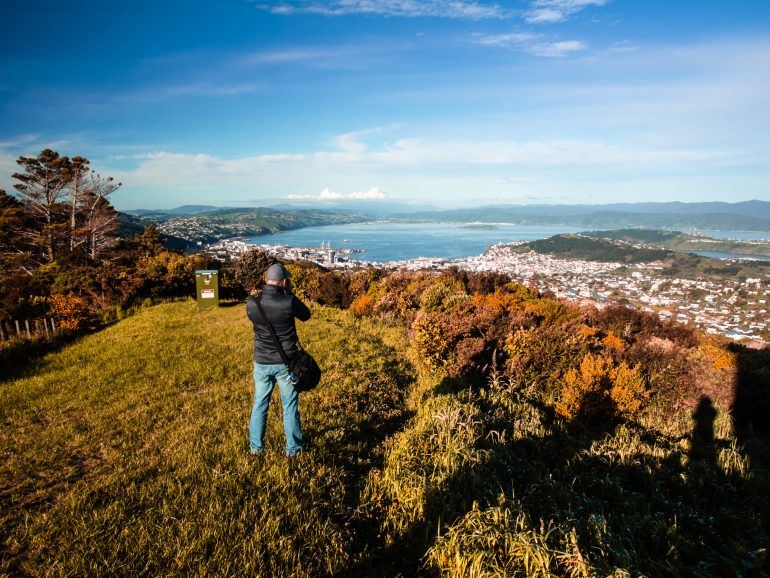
(579, 246)
(670, 248)
(678, 241)
(125, 453)
(217, 224)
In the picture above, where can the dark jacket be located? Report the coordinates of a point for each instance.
(281, 309)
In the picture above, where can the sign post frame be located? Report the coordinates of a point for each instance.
(207, 288)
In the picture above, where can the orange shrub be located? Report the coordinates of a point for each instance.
(720, 357)
(587, 332)
(360, 281)
(585, 390)
(362, 305)
(599, 389)
(499, 302)
(629, 389)
(613, 343)
(71, 310)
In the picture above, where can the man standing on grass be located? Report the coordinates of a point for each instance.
(280, 307)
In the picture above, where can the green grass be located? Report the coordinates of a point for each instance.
(126, 452)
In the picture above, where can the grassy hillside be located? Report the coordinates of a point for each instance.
(218, 224)
(615, 247)
(126, 454)
(582, 247)
(678, 241)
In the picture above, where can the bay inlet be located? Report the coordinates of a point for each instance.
(401, 241)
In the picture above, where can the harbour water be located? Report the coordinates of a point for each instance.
(719, 255)
(401, 241)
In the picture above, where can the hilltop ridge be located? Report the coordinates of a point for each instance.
(464, 426)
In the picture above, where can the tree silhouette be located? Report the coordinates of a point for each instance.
(78, 169)
(14, 250)
(250, 268)
(42, 183)
(99, 216)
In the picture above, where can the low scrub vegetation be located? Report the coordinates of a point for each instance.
(466, 425)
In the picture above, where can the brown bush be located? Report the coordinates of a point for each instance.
(631, 323)
(431, 341)
(541, 355)
(71, 310)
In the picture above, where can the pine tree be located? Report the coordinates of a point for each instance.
(78, 170)
(100, 219)
(42, 183)
(15, 251)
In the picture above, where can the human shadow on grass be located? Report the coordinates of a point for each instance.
(659, 516)
(751, 402)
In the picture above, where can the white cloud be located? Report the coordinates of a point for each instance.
(533, 44)
(458, 9)
(517, 39)
(8, 166)
(342, 56)
(550, 11)
(558, 49)
(329, 195)
(194, 173)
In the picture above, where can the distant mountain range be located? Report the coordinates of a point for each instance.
(375, 209)
(184, 210)
(744, 216)
(195, 225)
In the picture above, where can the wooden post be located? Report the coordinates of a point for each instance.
(18, 330)
(3, 334)
(53, 326)
(45, 324)
(36, 325)
(29, 333)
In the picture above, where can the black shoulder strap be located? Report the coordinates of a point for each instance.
(272, 330)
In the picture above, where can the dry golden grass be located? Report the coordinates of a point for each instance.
(126, 452)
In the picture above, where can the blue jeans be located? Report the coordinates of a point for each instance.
(265, 377)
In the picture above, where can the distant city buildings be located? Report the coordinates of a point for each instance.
(735, 308)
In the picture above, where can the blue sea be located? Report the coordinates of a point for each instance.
(719, 255)
(400, 241)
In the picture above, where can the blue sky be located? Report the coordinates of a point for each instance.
(447, 102)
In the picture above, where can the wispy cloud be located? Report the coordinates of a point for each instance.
(19, 140)
(539, 11)
(457, 9)
(328, 194)
(168, 169)
(533, 44)
(195, 89)
(550, 11)
(359, 55)
(410, 166)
